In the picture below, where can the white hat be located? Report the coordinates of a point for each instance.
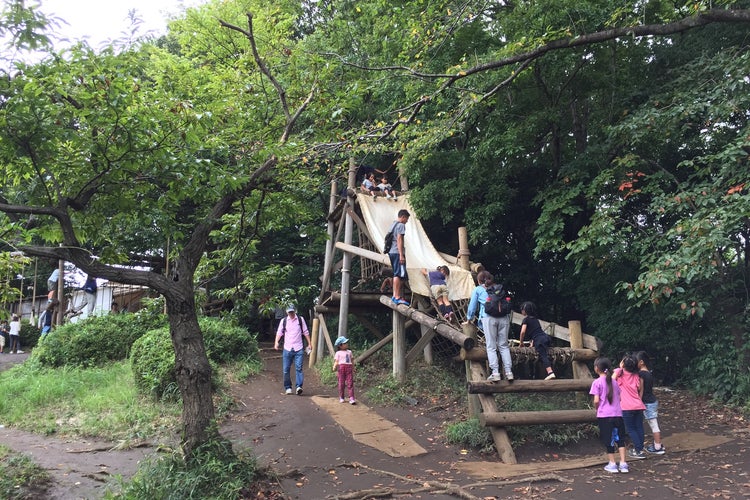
(290, 308)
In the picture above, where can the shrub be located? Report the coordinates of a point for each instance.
(152, 359)
(29, 337)
(93, 341)
(213, 472)
(471, 434)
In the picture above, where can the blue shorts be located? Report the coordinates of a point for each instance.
(399, 270)
(651, 410)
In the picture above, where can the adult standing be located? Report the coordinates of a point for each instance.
(52, 284)
(495, 328)
(397, 254)
(292, 328)
(15, 335)
(89, 288)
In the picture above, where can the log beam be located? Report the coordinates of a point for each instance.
(505, 419)
(530, 354)
(503, 386)
(442, 328)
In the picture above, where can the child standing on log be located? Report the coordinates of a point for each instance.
(539, 339)
(650, 401)
(609, 415)
(343, 365)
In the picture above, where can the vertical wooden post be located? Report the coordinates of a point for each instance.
(314, 342)
(423, 305)
(346, 269)
(60, 292)
(475, 406)
(399, 347)
(328, 262)
(463, 249)
(580, 369)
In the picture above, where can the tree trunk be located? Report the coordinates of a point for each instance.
(193, 372)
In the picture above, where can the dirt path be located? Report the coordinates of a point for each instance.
(317, 459)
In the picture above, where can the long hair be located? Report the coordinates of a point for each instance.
(604, 365)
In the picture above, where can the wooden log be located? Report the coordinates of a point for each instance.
(361, 252)
(475, 406)
(580, 370)
(312, 358)
(442, 328)
(499, 434)
(356, 298)
(503, 386)
(505, 419)
(375, 348)
(529, 353)
(399, 347)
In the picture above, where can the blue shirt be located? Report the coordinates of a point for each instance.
(398, 228)
(476, 304)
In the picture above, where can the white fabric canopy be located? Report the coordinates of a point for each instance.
(379, 215)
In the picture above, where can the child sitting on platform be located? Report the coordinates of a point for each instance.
(385, 187)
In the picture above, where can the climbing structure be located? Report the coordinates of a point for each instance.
(363, 221)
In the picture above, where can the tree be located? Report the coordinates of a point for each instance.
(141, 154)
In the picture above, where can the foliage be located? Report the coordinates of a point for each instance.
(214, 472)
(29, 335)
(20, 477)
(94, 341)
(98, 401)
(720, 373)
(153, 361)
(471, 434)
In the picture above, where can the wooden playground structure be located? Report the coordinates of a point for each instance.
(367, 218)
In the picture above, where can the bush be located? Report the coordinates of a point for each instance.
(214, 472)
(152, 359)
(29, 337)
(93, 341)
(470, 434)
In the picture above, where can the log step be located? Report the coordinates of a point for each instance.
(504, 419)
(503, 386)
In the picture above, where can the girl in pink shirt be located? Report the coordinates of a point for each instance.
(631, 390)
(608, 414)
(343, 365)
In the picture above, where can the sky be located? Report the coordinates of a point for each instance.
(98, 21)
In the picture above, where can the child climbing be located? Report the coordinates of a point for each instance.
(343, 365)
(539, 339)
(608, 414)
(439, 289)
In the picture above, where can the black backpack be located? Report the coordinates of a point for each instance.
(388, 239)
(499, 302)
(283, 327)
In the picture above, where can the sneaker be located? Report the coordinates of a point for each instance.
(352, 401)
(387, 197)
(19, 352)
(402, 302)
(611, 468)
(299, 391)
(288, 391)
(394, 300)
(341, 400)
(550, 376)
(636, 455)
(624, 468)
(652, 449)
(495, 377)
(509, 377)
(395, 199)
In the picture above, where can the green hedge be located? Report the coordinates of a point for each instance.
(94, 341)
(152, 358)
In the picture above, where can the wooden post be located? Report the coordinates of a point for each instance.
(328, 262)
(324, 336)
(313, 342)
(423, 305)
(463, 249)
(347, 266)
(580, 369)
(399, 348)
(475, 407)
(499, 434)
(61, 292)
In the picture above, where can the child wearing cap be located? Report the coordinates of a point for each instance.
(343, 365)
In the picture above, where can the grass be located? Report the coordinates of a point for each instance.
(100, 402)
(20, 477)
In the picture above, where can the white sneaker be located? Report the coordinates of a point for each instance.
(288, 391)
(395, 199)
(495, 377)
(387, 197)
(509, 376)
(299, 391)
(550, 376)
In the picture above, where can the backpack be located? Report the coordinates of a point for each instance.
(388, 239)
(498, 303)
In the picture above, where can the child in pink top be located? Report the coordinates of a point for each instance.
(608, 414)
(631, 403)
(343, 365)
